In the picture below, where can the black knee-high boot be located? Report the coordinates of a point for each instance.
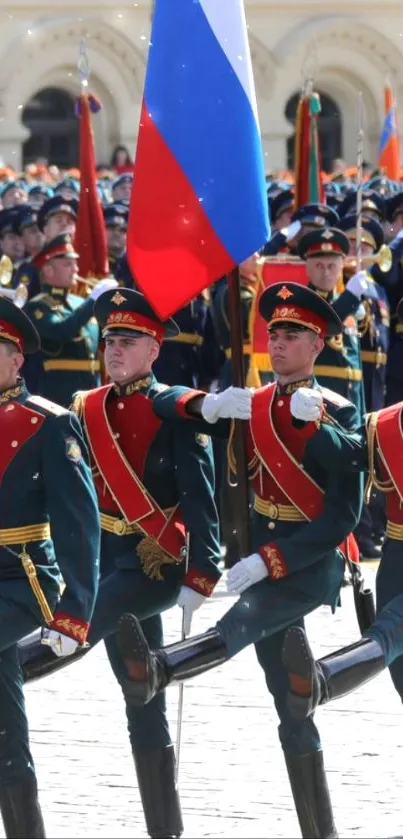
(314, 683)
(159, 794)
(311, 795)
(38, 660)
(149, 672)
(20, 810)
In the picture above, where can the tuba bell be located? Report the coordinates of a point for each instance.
(6, 270)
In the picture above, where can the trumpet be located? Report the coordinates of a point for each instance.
(6, 270)
(19, 295)
(91, 281)
(384, 258)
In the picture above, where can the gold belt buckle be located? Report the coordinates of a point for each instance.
(272, 510)
(120, 527)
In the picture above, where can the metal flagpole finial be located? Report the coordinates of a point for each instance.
(83, 65)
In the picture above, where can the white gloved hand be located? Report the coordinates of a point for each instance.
(232, 403)
(358, 284)
(101, 286)
(246, 573)
(292, 230)
(306, 404)
(61, 645)
(189, 600)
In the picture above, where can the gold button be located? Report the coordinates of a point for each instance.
(280, 403)
(119, 527)
(34, 420)
(120, 405)
(14, 443)
(271, 525)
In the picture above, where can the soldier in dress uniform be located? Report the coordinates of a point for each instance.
(375, 448)
(121, 188)
(302, 512)
(26, 226)
(56, 217)
(306, 218)
(45, 477)
(373, 204)
(10, 242)
(339, 364)
(65, 322)
(116, 217)
(393, 283)
(38, 194)
(155, 481)
(13, 194)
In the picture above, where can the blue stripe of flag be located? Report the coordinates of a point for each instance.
(389, 129)
(203, 114)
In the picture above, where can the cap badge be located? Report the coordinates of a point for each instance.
(118, 299)
(327, 234)
(284, 293)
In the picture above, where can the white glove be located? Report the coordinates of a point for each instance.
(306, 404)
(358, 285)
(292, 230)
(234, 403)
(189, 600)
(61, 645)
(101, 286)
(246, 573)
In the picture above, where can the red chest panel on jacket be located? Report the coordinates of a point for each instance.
(17, 425)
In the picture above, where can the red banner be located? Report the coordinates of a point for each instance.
(270, 273)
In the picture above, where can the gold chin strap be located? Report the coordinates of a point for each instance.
(373, 480)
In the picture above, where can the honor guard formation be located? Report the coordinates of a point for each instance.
(119, 460)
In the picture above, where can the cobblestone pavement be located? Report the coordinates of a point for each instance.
(233, 782)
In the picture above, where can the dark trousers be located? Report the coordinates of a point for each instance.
(132, 591)
(19, 615)
(262, 616)
(389, 629)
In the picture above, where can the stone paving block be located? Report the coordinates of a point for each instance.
(233, 780)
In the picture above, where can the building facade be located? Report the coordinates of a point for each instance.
(346, 47)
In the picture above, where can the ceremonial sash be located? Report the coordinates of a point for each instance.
(289, 475)
(134, 501)
(390, 443)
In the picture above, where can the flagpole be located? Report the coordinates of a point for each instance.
(360, 159)
(241, 484)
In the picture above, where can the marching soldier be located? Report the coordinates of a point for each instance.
(155, 481)
(65, 322)
(115, 217)
(339, 365)
(56, 217)
(121, 188)
(10, 242)
(302, 512)
(45, 478)
(375, 448)
(304, 220)
(26, 226)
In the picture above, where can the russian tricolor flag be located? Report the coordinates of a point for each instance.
(199, 201)
(388, 152)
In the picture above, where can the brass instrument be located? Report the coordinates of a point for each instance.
(90, 281)
(6, 270)
(384, 258)
(19, 295)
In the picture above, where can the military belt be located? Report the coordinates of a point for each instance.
(21, 536)
(399, 328)
(374, 356)
(394, 531)
(246, 349)
(279, 512)
(354, 375)
(121, 527)
(187, 338)
(73, 364)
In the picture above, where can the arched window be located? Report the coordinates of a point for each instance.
(50, 118)
(329, 127)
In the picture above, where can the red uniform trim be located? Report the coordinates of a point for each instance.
(199, 582)
(18, 424)
(183, 401)
(274, 561)
(72, 627)
(390, 441)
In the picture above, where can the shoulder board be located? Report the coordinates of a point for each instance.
(46, 299)
(334, 398)
(159, 388)
(44, 406)
(77, 405)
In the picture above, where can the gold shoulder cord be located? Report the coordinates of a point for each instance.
(373, 480)
(253, 465)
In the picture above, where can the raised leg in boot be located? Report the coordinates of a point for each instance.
(314, 683)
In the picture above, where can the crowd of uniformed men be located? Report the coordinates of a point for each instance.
(114, 486)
